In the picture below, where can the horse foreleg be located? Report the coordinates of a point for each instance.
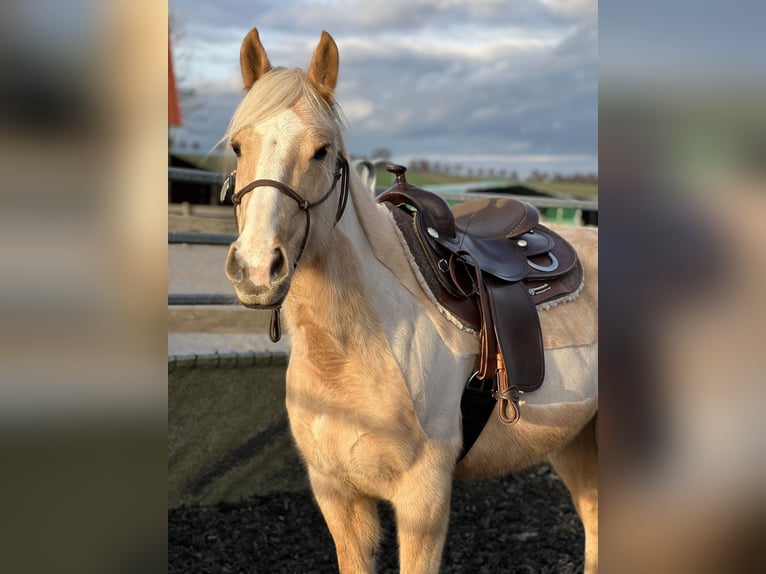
(577, 465)
(422, 509)
(353, 522)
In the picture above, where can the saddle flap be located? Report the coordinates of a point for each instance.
(495, 218)
(517, 327)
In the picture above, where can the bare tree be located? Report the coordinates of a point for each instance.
(183, 60)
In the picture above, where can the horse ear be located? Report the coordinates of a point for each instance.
(253, 59)
(323, 71)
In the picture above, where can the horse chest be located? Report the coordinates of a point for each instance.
(350, 452)
(352, 449)
(352, 420)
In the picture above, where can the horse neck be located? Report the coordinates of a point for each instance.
(339, 290)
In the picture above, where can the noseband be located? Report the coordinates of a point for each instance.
(341, 174)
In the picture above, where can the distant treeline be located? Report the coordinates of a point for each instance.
(460, 170)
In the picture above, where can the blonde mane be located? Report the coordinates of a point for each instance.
(280, 89)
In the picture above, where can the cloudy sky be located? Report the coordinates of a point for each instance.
(510, 84)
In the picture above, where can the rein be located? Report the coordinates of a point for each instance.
(341, 174)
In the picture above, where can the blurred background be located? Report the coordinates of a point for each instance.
(82, 286)
(83, 217)
(682, 173)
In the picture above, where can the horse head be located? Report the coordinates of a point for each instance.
(291, 177)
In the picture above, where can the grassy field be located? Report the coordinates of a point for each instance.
(424, 179)
(578, 190)
(421, 178)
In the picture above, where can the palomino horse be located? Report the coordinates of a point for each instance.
(377, 369)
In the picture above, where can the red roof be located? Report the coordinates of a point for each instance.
(174, 107)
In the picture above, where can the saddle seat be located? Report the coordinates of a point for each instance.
(489, 262)
(495, 218)
(501, 234)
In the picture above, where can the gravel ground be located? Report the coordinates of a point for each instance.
(523, 523)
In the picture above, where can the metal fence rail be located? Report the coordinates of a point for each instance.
(202, 299)
(190, 175)
(197, 238)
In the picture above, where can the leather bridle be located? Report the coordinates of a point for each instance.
(341, 174)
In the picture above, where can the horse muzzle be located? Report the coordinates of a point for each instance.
(260, 285)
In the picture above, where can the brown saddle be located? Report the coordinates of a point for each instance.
(489, 262)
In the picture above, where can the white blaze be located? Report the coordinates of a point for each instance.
(260, 236)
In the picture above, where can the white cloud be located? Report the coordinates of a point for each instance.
(426, 78)
(358, 109)
(573, 7)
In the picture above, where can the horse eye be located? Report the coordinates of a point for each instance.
(321, 152)
(236, 149)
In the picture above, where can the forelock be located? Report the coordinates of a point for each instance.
(278, 90)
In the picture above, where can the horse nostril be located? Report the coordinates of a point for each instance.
(234, 269)
(277, 264)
